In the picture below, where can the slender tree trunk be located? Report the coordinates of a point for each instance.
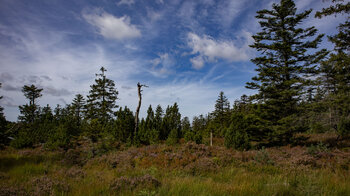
(139, 90)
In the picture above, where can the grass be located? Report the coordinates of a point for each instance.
(21, 172)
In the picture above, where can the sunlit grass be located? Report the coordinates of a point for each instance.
(237, 178)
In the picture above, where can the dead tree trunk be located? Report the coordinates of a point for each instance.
(139, 91)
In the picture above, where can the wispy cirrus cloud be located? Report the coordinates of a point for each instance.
(126, 2)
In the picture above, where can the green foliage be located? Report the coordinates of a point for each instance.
(101, 98)
(60, 138)
(236, 136)
(29, 112)
(25, 137)
(262, 157)
(199, 129)
(285, 67)
(344, 127)
(173, 137)
(149, 129)
(93, 129)
(221, 115)
(124, 125)
(315, 149)
(78, 108)
(170, 121)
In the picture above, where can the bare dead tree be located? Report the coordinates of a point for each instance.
(139, 90)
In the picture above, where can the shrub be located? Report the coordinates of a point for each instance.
(173, 137)
(59, 138)
(236, 136)
(25, 138)
(263, 157)
(344, 127)
(316, 149)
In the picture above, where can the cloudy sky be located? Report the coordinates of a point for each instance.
(185, 51)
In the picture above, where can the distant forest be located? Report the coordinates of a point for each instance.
(299, 88)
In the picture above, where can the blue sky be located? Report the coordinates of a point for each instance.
(185, 51)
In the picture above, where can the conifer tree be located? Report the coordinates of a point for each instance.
(158, 117)
(124, 125)
(101, 98)
(3, 123)
(285, 65)
(172, 124)
(336, 71)
(221, 113)
(78, 107)
(185, 126)
(30, 111)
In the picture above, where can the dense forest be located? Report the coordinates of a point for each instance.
(299, 88)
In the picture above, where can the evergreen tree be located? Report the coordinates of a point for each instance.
(336, 72)
(101, 98)
(199, 127)
(30, 111)
(151, 129)
(285, 67)
(147, 133)
(78, 108)
(172, 123)
(158, 118)
(185, 126)
(221, 114)
(124, 125)
(3, 124)
(236, 135)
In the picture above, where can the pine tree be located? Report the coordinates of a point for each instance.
(185, 126)
(151, 130)
(101, 98)
(221, 114)
(285, 65)
(78, 107)
(3, 124)
(172, 124)
(336, 71)
(30, 111)
(124, 125)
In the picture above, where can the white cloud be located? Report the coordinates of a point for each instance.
(229, 10)
(197, 62)
(49, 60)
(112, 27)
(126, 2)
(162, 65)
(209, 49)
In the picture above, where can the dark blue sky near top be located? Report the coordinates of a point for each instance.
(186, 51)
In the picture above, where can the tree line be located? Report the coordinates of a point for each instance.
(299, 88)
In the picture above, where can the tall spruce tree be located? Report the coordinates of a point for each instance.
(221, 113)
(158, 117)
(172, 124)
(101, 98)
(335, 71)
(78, 108)
(285, 65)
(29, 112)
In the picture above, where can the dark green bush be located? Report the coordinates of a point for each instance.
(236, 136)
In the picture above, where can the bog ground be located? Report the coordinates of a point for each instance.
(314, 167)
